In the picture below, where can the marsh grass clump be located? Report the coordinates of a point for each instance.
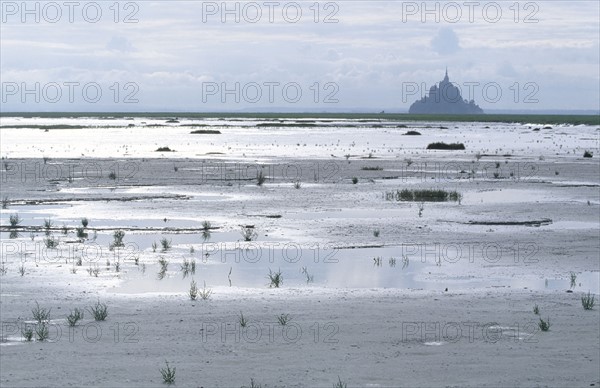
(445, 146)
(99, 311)
(205, 293)
(40, 314)
(168, 374)
(260, 178)
(587, 301)
(22, 270)
(309, 278)
(275, 279)
(340, 384)
(27, 333)
(95, 271)
(14, 220)
(164, 264)
(253, 384)
(283, 319)
(74, 317)
(297, 185)
(112, 175)
(118, 236)
(243, 321)
(5, 202)
(376, 233)
(51, 242)
(206, 226)
(81, 233)
(166, 244)
(248, 232)
(536, 310)
(42, 331)
(425, 195)
(186, 267)
(193, 292)
(544, 325)
(405, 261)
(573, 279)
(48, 224)
(154, 246)
(421, 207)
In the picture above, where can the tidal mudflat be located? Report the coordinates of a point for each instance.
(229, 247)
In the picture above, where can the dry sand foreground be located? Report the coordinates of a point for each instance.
(368, 323)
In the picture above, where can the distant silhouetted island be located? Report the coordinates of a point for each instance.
(444, 98)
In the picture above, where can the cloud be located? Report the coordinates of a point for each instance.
(120, 43)
(445, 42)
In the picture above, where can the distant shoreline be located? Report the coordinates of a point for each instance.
(485, 118)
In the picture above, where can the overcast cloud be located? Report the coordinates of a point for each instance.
(369, 55)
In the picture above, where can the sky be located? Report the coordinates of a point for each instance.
(296, 56)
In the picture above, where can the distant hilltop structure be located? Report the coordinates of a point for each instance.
(444, 98)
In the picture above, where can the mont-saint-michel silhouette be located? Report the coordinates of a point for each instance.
(444, 98)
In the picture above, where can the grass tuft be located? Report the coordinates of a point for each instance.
(51, 242)
(168, 374)
(275, 279)
(243, 321)
(75, 316)
(164, 264)
(248, 232)
(544, 325)
(27, 333)
(40, 314)
(260, 178)
(14, 220)
(193, 292)
(42, 331)
(587, 301)
(99, 311)
(340, 384)
(205, 293)
(166, 244)
(283, 319)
